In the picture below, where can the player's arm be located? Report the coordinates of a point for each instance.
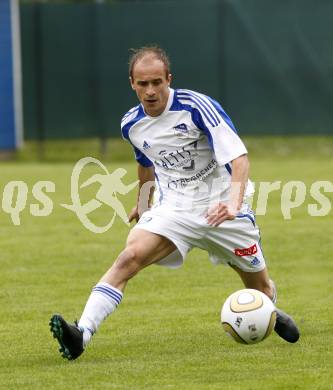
(228, 149)
(239, 179)
(146, 191)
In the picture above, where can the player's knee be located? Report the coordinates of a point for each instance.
(129, 261)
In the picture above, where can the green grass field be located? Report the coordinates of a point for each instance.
(166, 334)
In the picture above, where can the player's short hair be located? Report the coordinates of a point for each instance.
(155, 50)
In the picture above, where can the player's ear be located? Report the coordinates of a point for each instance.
(169, 79)
(132, 83)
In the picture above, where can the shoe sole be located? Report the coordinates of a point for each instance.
(57, 331)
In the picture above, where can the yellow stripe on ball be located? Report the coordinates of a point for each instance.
(245, 300)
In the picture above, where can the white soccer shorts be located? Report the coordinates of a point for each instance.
(235, 242)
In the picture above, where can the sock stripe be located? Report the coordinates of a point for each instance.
(119, 295)
(90, 330)
(109, 295)
(108, 287)
(83, 328)
(109, 292)
(103, 301)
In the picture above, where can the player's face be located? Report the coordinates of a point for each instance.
(151, 85)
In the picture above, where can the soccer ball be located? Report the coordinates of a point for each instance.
(248, 316)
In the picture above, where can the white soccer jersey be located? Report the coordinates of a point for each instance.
(191, 145)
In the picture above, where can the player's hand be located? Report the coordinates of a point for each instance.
(220, 213)
(134, 215)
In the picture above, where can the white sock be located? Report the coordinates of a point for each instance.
(102, 301)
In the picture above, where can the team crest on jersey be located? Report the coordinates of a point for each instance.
(181, 129)
(146, 145)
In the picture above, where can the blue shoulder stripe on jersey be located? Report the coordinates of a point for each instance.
(205, 101)
(189, 99)
(196, 118)
(139, 156)
(209, 119)
(126, 128)
(203, 106)
(224, 115)
(131, 111)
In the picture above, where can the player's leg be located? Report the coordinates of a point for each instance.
(258, 281)
(142, 249)
(237, 243)
(285, 326)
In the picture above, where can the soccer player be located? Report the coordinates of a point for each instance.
(185, 143)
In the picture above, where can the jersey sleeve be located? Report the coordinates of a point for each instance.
(141, 158)
(209, 116)
(127, 122)
(226, 144)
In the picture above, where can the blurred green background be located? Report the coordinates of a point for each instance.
(269, 63)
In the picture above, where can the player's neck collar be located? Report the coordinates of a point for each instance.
(170, 101)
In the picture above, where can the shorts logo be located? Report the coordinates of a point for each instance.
(255, 261)
(252, 250)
